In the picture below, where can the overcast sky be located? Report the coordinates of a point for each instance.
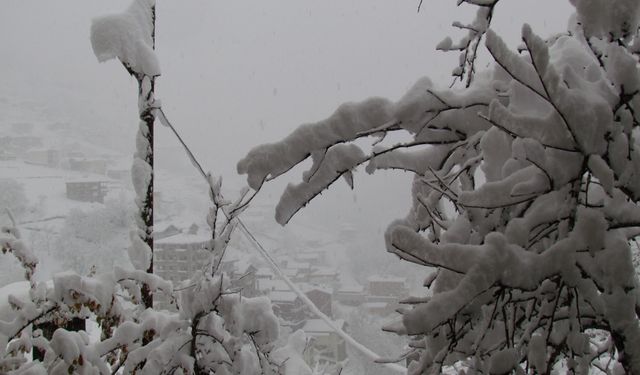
(239, 73)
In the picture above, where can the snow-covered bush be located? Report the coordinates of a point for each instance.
(96, 238)
(214, 330)
(525, 195)
(12, 198)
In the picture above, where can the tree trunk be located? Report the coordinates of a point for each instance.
(146, 88)
(146, 210)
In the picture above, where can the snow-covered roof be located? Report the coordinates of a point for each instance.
(162, 226)
(351, 289)
(325, 271)
(320, 326)
(308, 256)
(87, 180)
(298, 265)
(184, 238)
(392, 279)
(307, 287)
(171, 251)
(264, 271)
(289, 272)
(245, 267)
(375, 305)
(282, 296)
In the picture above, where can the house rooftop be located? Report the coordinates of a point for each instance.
(375, 305)
(87, 179)
(351, 289)
(319, 326)
(298, 265)
(290, 272)
(308, 256)
(264, 271)
(185, 238)
(390, 279)
(162, 226)
(306, 287)
(325, 271)
(282, 296)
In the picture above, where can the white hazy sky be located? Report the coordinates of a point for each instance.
(239, 73)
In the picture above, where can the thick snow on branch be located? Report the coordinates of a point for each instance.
(608, 18)
(435, 118)
(127, 36)
(10, 242)
(345, 124)
(338, 161)
(515, 65)
(419, 107)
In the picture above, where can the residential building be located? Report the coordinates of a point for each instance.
(387, 290)
(353, 295)
(87, 190)
(288, 306)
(387, 286)
(178, 257)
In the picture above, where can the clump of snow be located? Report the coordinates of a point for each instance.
(445, 44)
(338, 161)
(96, 293)
(537, 355)
(622, 68)
(496, 149)
(349, 120)
(503, 361)
(255, 315)
(608, 18)
(290, 355)
(203, 296)
(10, 242)
(128, 37)
(140, 254)
(602, 172)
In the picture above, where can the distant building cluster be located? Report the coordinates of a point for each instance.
(179, 253)
(96, 174)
